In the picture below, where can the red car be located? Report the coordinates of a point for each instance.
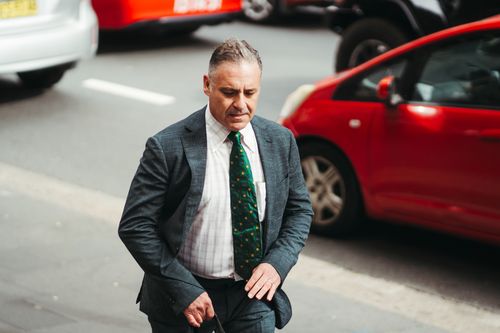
(411, 136)
(176, 14)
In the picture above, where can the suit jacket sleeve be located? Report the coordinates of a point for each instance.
(296, 221)
(139, 229)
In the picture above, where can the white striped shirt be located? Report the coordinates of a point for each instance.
(208, 248)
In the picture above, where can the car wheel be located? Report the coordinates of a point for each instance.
(366, 39)
(260, 10)
(42, 78)
(333, 188)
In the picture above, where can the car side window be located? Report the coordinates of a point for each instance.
(463, 73)
(363, 87)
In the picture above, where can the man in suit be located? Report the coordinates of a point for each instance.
(218, 211)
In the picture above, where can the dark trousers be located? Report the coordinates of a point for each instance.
(236, 312)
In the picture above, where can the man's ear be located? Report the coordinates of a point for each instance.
(206, 85)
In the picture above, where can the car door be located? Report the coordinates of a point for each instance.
(436, 158)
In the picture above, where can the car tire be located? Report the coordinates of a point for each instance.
(333, 187)
(366, 39)
(42, 78)
(260, 10)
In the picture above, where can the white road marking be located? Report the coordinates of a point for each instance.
(450, 315)
(434, 310)
(128, 92)
(68, 196)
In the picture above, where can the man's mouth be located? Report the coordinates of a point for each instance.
(237, 115)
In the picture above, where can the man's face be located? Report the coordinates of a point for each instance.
(233, 91)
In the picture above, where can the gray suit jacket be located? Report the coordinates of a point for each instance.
(164, 197)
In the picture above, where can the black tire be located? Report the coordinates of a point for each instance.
(42, 78)
(254, 11)
(366, 39)
(343, 190)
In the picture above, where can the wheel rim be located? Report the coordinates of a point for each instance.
(326, 188)
(258, 10)
(367, 50)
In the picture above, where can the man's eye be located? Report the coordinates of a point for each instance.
(228, 93)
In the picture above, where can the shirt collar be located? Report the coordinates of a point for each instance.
(248, 138)
(217, 133)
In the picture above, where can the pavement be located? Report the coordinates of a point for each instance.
(64, 269)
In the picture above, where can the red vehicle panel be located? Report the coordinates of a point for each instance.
(119, 14)
(428, 154)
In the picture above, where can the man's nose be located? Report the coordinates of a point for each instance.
(239, 102)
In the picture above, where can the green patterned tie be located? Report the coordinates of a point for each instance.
(247, 240)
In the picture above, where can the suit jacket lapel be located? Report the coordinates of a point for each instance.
(194, 142)
(267, 152)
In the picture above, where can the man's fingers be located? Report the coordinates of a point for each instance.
(200, 309)
(268, 285)
(207, 309)
(192, 320)
(199, 319)
(257, 273)
(265, 279)
(271, 292)
(210, 313)
(256, 287)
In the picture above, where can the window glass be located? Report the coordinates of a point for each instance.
(464, 73)
(364, 87)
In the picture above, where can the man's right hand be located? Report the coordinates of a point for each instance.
(200, 310)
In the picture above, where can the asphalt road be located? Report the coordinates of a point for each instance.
(67, 156)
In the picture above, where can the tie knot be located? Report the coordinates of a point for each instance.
(235, 137)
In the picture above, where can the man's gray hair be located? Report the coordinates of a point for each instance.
(233, 50)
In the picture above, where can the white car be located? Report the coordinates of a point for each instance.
(41, 39)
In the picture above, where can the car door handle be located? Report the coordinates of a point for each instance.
(490, 134)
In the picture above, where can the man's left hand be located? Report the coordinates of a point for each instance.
(264, 280)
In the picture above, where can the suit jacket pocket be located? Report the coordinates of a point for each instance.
(282, 308)
(260, 192)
